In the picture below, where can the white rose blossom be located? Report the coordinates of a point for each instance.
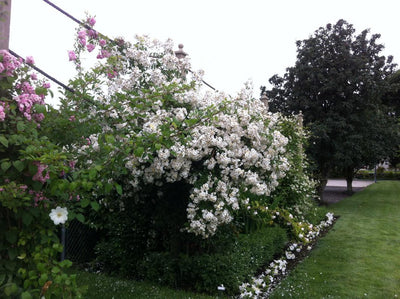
(234, 139)
(59, 215)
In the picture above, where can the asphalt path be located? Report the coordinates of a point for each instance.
(335, 189)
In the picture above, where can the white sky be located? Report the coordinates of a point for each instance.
(231, 40)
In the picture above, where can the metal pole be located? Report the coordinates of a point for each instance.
(63, 242)
(375, 174)
(5, 16)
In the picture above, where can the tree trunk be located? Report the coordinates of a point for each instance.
(323, 180)
(349, 180)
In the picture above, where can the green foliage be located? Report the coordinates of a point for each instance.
(338, 82)
(383, 175)
(230, 266)
(30, 185)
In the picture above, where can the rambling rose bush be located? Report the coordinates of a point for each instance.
(151, 124)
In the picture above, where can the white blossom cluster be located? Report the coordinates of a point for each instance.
(261, 286)
(222, 146)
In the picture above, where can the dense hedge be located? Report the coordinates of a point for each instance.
(385, 175)
(229, 267)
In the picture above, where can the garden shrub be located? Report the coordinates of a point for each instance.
(382, 175)
(31, 186)
(229, 266)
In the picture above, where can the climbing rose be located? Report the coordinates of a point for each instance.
(91, 21)
(2, 114)
(90, 47)
(71, 55)
(59, 215)
(30, 60)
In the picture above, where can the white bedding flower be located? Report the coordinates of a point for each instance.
(59, 215)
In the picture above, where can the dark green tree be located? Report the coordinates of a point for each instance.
(338, 82)
(392, 100)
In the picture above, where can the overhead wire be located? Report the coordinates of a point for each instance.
(90, 28)
(43, 72)
(87, 27)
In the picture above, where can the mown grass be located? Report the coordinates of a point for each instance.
(101, 286)
(360, 256)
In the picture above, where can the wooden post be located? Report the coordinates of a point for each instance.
(5, 16)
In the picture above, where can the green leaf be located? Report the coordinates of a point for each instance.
(108, 187)
(41, 267)
(66, 264)
(21, 126)
(5, 166)
(27, 218)
(4, 141)
(10, 289)
(119, 188)
(2, 278)
(12, 253)
(95, 205)
(11, 236)
(157, 146)
(85, 202)
(110, 138)
(73, 186)
(26, 295)
(139, 151)
(92, 174)
(80, 218)
(40, 108)
(19, 165)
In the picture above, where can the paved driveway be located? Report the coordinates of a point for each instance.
(335, 189)
(342, 183)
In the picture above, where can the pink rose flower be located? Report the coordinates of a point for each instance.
(29, 60)
(90, 47)
(71, 55)
(39, 175)
(82, 41)
(2, 113)
(91, 21)
(92, 33)
(82, 34)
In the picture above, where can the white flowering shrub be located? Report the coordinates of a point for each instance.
(153, 123)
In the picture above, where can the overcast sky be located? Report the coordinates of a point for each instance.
(231, 40)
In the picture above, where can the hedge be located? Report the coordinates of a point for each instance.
(385, 175)
(204, 273)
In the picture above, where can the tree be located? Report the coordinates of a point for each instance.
(337, 82)
(392, 100)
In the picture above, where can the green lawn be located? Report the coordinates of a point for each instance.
(105, 287)
(360, 256)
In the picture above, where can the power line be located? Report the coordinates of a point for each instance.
(90, 28)
(67, 14)
(44, 73)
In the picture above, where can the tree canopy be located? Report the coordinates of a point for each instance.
(337, 82)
